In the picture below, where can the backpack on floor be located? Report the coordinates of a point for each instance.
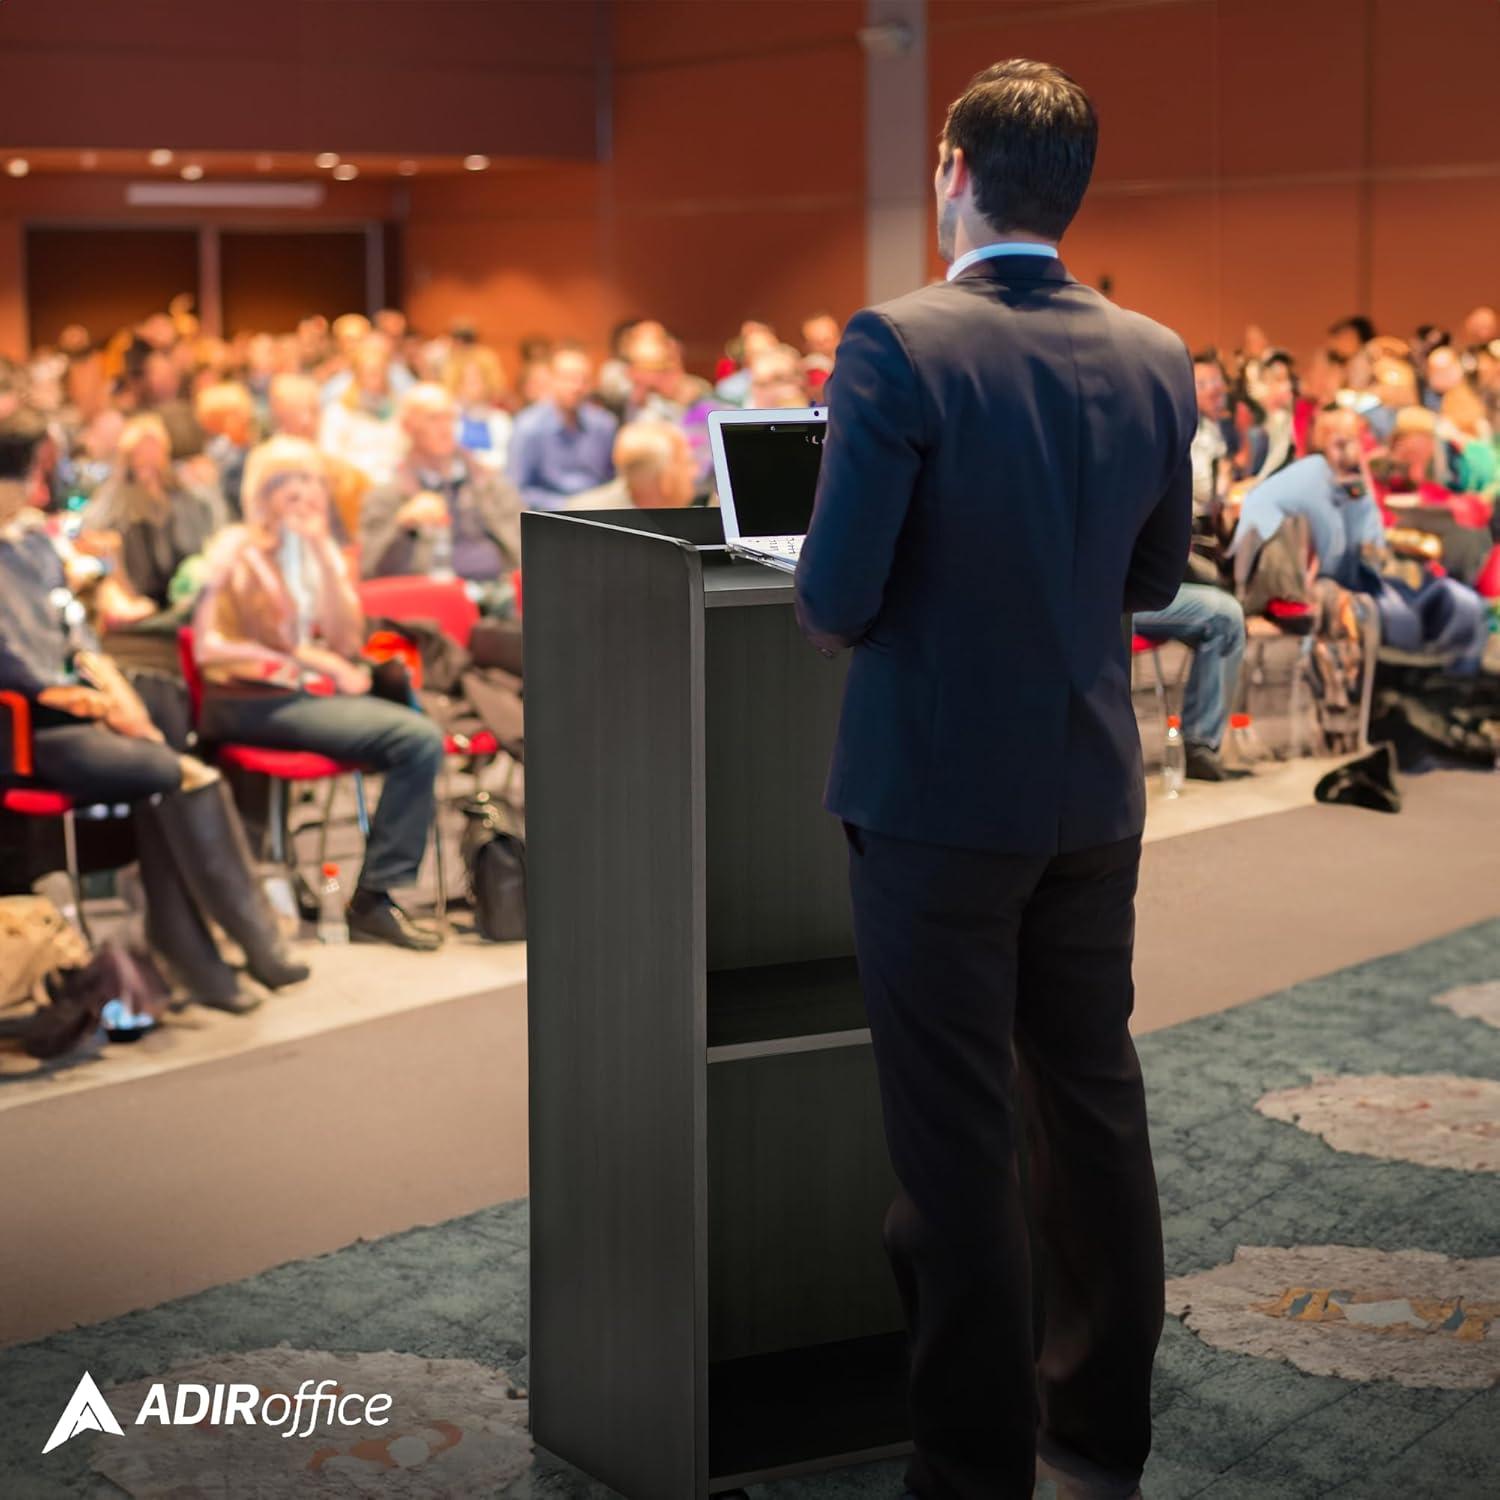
(494, 855)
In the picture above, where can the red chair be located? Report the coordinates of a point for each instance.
(282, 768)
(416, 597)
(41, 802)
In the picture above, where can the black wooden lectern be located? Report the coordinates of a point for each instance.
(710, 1303)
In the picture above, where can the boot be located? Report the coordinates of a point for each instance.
(206, 838)
(174, 929)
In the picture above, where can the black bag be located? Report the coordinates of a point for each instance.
(494, 855)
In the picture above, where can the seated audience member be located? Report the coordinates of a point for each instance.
(1409, 493)
(1444, 371)
(262, 362)
(161, 522)
(1395, 386)
(360, 426)
(477, 383)
(820, 337)
(1209, 449)
(755, 339)
(441, 513)
(277, 632)
(226, 414)
(1209, 620)
(295, 411)
(661, 388)
(560, 445)
(341, 339)
(777, 380)
(161, 392)
(1348, 336)
(1271, 444)
(93, 739)
(612, 386)
(655, 469)
(1333, 491)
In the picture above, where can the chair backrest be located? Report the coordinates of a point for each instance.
(414, 597)
(191, 676)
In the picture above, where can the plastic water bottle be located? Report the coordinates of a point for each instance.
(1174, 758)
(1242, 735)
(440, 566)
(332, 925)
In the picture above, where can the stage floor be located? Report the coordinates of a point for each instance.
(390, 1090)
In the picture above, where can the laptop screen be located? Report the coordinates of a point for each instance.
(773, 471)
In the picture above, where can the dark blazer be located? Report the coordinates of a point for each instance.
(1005, 472)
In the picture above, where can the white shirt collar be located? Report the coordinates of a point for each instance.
(1005, 247)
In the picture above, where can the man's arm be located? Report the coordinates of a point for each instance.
(872, 455)
(525, 461)
(1161, 547)
(384, 547)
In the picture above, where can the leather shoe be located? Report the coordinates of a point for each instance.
(1203, 764)
(374, 918)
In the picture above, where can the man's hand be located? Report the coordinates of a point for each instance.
(423, 509)
(81, 702)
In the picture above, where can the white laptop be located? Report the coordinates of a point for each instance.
(766, 471)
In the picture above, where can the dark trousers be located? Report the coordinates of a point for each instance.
(369, 732)
(1026, 1236)
(94, 764)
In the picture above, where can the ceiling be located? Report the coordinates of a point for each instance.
(57, 161)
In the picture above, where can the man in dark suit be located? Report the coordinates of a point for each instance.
(1005, 474)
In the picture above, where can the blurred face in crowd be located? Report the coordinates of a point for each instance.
(292, 501)
(1208, 382)
(776, 380)
(163, 380)
(371, 367)
(349, 333)
(159, 331)
(757, 339)
(1273, 389)
(820, 335)
(1444, 370)
(1345, 341)
(295, 407)
(1482, 325)
(1413, 452)
(429, 418)
(473, 389)
(1395, 383)
(657, 462)
(1324, 378)
(1339, 441)
(148, 457)
(571, 376)
(392, 324)
(260, 356)
(102, 436)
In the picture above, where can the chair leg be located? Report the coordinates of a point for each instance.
(70, 858)
(276, 812)
(361, 807)
(1295, 705)
(333, 783)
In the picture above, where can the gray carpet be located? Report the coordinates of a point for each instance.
(1230, 1425)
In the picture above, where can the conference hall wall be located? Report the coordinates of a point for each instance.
(1275, 161)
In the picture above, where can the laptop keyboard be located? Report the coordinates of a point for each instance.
(782, 546)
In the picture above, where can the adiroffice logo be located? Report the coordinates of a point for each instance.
(224, 1405)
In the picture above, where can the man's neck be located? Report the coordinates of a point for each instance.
(15, 496)
(964, 241)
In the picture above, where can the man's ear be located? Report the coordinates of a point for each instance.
(958, 175)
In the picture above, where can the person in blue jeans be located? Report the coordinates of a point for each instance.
(277, 634)
(1211, 623)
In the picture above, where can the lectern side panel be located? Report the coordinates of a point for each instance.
(616, 976)
(777, 865)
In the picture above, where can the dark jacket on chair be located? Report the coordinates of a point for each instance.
(1005, 473)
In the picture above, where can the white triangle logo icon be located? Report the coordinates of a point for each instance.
(86, 1411)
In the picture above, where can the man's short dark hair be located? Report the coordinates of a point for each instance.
(21, 434)
(1029, 134)
(1360, 325)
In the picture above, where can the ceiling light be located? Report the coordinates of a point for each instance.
(89, 160)
(18, 166)
(161, 157)
(263, 163)
(326, 159)
(406, 168)
(192, 172)
(476, 163)
(346, 171)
